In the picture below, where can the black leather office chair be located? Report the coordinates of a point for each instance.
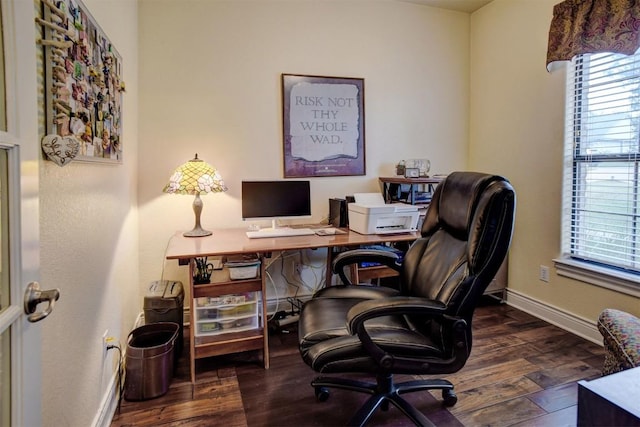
(424, 327)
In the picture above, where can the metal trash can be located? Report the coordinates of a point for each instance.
(149, 361)
(164, 302)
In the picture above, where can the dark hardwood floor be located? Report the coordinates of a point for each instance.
(522, 372)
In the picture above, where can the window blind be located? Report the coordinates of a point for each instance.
(601, 211)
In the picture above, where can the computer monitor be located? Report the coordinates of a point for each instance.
(275, 199)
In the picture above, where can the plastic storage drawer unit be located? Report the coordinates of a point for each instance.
(164, 302)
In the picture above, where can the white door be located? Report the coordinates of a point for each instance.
(20, 356)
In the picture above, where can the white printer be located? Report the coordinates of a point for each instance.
(370, 215)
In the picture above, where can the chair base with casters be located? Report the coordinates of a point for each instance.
(424, 326)
(383, 392)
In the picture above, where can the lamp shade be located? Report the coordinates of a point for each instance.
(194, 177)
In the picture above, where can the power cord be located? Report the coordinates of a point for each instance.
(306, 261)
(164, 259)
(120, 372)
(273, 284)
(275, 289)
(284, 276)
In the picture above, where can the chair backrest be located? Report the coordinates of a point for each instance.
(465, 237)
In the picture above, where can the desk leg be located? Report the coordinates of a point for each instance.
(355, 277)
(265, 327)
(192, 325)
(192, 360)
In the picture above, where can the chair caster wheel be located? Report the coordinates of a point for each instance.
(322, 394)
(449, 398)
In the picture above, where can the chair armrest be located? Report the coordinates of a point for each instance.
(354, 256)
(370, 309)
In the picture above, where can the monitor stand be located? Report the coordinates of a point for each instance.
(275, 226)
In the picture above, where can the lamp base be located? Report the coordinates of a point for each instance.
(197, 232)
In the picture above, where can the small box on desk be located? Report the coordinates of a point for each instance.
(243, 267)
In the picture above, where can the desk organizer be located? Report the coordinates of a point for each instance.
(226, 313)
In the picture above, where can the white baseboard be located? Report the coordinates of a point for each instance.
(109, 402)
(108, 405)
(568, 321)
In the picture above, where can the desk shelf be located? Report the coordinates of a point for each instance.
(233, 342)
(227, 317)
(366, 274)
(229, 287)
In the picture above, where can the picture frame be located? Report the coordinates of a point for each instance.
(323, 126)
(84, 86)
(412, 173)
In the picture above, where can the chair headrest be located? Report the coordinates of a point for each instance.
(453, 208)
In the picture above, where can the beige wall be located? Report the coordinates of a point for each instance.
(89, 249)
(517, 125)
(210, 83)
(438, 84)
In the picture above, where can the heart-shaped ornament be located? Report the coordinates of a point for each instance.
(60, 149)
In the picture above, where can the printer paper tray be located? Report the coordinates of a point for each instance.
(390, 231)
(396, 231)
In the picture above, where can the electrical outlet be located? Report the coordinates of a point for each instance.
(105, 344)
(544, 273)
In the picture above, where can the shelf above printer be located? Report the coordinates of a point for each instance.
(415, 191)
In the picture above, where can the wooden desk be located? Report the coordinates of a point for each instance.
(225, 242)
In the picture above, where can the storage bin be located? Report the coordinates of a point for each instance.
(149, 360)
(208, 327)
(245, 309)
(243, 272)
(208, 301)
(227, 324)
(209, 313)
(224, 312)
(243, 322)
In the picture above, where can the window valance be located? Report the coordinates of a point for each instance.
(591, 26)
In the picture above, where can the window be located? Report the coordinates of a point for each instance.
(601, 212)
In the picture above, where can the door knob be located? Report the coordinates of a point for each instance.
(34, 296)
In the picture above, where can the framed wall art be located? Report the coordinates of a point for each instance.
(84, 87)
(323, 126)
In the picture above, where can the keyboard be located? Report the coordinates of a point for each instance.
(279, 232)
